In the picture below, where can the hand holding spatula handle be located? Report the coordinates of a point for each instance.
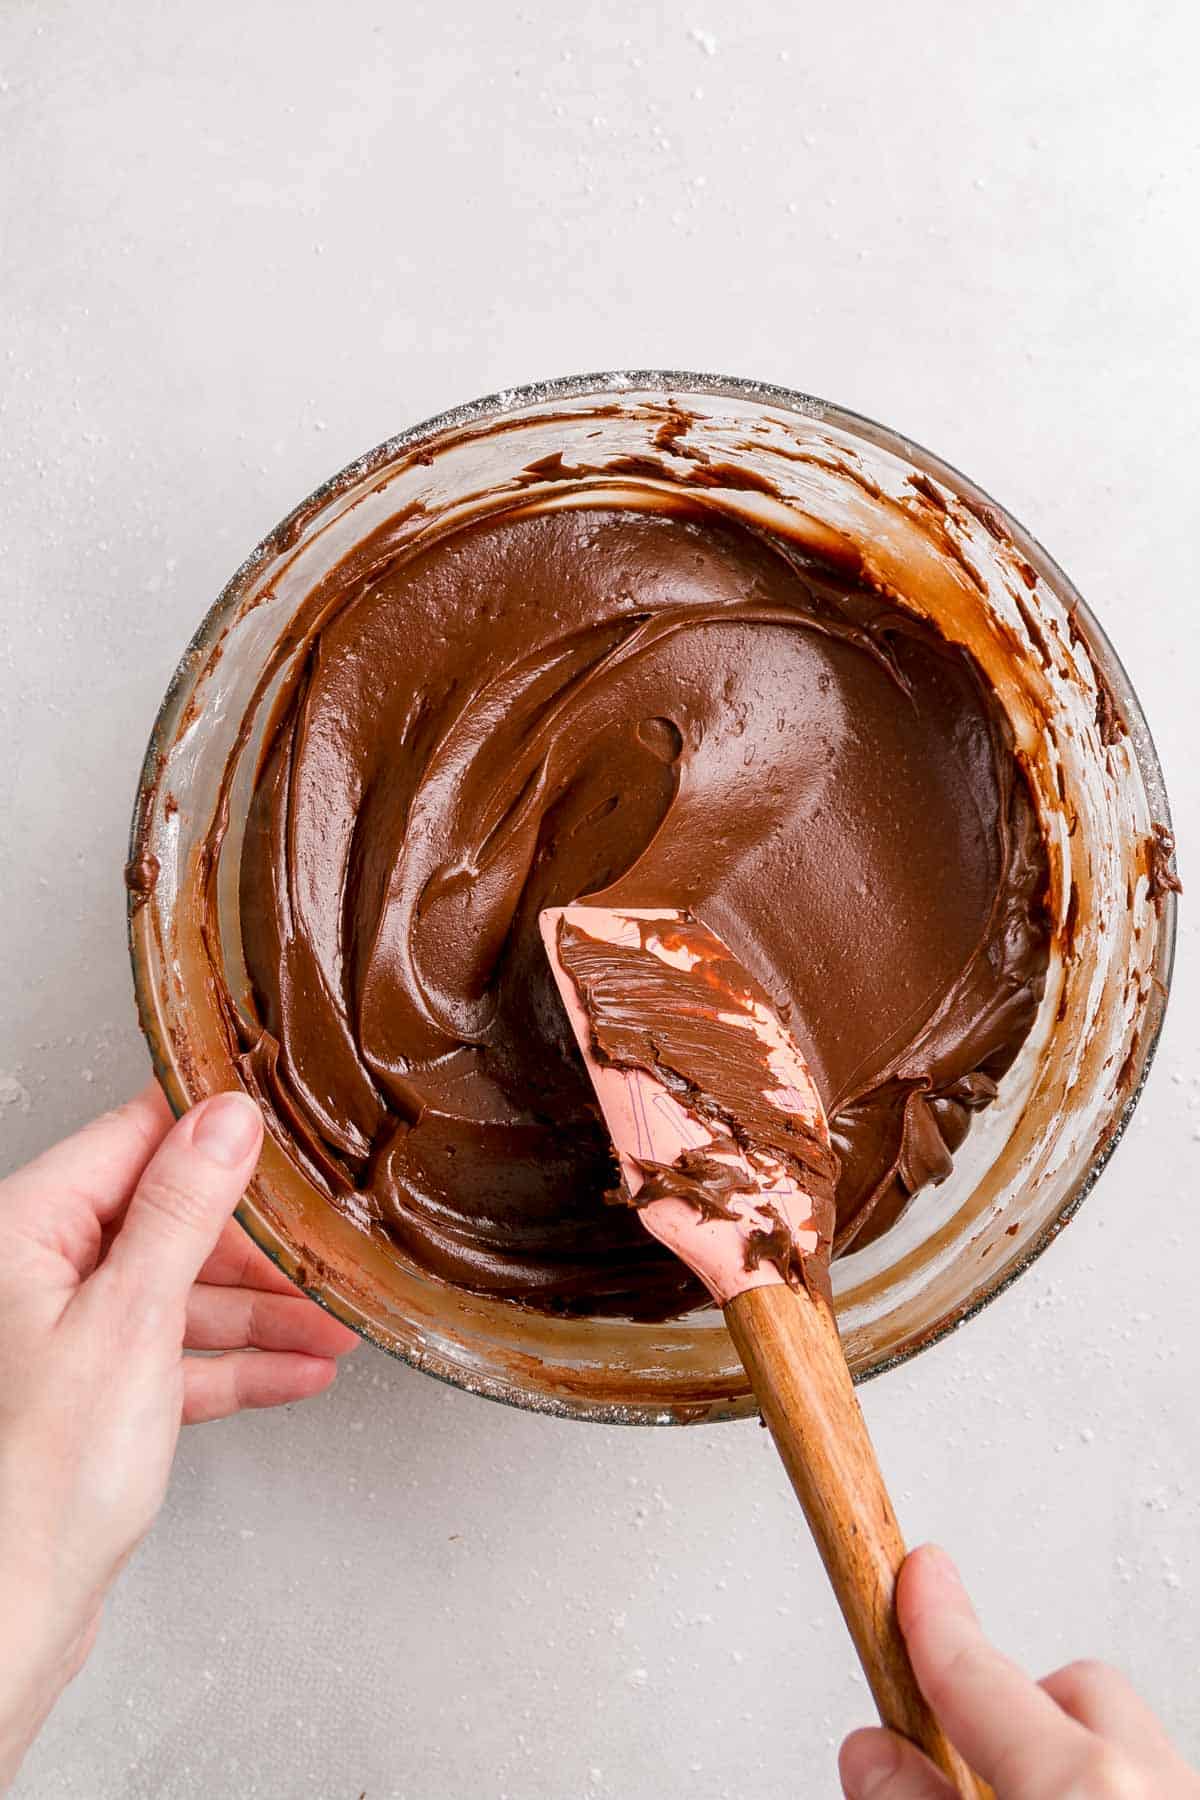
(724, 1149)
(792, 1353)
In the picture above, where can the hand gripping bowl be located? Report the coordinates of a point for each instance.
(951, 552)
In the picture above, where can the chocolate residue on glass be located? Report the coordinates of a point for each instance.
(678, 1006)
(141, 874)
(1160, 857)
(646, 704)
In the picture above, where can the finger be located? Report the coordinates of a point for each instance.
(98, 1166)
(237, 1261)
(878, 1765)
(186, 1193)
(1102, 1700)
(214, 1387)
(1000, 1720)
(222, 1318)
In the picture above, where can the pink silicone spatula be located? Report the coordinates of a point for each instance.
(659, 1007)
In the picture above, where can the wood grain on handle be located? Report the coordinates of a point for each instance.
(790, 1346)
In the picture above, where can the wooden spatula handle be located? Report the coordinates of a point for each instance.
(790, 1346)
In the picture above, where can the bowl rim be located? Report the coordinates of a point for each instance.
(678, 383)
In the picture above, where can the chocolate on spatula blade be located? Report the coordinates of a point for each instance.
(719, 1130)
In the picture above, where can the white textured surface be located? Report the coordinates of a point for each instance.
(242, 242)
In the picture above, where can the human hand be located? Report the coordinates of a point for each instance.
(117, 1253)
(1081, 1734)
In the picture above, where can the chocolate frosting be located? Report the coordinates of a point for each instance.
(653, 705)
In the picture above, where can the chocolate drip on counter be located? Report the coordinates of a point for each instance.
(649, 706)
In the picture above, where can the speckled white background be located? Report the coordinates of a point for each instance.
(243, 242)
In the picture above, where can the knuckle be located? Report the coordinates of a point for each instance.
(258, 1320)
(171, 1198)
(1017, 1768)
(1079, 1687)
(964, 1668)
(137, 1312)
(102, 1126)
(133, 1118)
(1107, 1775)
(1087, 1674)
(130, 1117)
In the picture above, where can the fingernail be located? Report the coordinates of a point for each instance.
(869, 1761)
(941, 1572)
(227, 1129)
(941, 1565)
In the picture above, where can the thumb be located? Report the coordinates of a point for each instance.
(1000, 1720)
(186, 1193)
(880, 1765)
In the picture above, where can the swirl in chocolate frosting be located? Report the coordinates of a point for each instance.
(660, 706)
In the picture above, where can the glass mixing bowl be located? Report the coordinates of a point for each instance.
(952, 553)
